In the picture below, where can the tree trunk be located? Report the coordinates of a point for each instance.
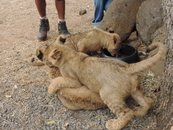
(164, 104)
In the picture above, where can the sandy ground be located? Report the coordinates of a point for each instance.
(24, 101)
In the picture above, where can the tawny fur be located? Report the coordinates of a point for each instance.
(93, 40)
(86, 42)
(112, 79)
(73, 98)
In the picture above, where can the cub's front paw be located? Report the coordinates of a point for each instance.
(52, 89)
(113, 124)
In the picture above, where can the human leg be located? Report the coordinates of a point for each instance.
(60, 7)
(41, 7)
(44, 23)
(99, 12)
(107, 3)
(62, 28)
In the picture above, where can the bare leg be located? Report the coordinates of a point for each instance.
(60, 6)
(41, 7)
(44, 23)
(62, 28)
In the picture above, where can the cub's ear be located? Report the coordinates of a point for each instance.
(55, 54)
(117, 39)
(39, 54)
(61, 39)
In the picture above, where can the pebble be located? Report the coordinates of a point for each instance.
(82, 11)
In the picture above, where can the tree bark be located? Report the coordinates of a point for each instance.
(164, 103)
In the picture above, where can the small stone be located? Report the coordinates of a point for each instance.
(82, 12)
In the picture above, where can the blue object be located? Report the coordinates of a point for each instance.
(100, 7)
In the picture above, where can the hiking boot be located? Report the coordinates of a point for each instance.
(44, 28)
(62, 29)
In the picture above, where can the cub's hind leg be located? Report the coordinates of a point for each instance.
(80, 98)
(144, 102)
(116, 103)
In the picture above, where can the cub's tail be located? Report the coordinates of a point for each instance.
(148, 63)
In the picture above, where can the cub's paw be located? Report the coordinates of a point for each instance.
(142, 111)
(113, 124)
(139, 111)
(52, 89)
(149, 101)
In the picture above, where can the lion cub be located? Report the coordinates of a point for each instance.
(90, 41)
(113, 80)
(93, 40)
(74, 98)
(87, 42)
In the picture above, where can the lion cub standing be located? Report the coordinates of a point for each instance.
(93, 40)
(87, 42)
(113, 80)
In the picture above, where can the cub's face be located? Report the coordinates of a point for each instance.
(42, 54)
(50, 55)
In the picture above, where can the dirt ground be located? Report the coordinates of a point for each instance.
(24, 101)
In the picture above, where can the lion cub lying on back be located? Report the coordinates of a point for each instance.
(113, 80)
